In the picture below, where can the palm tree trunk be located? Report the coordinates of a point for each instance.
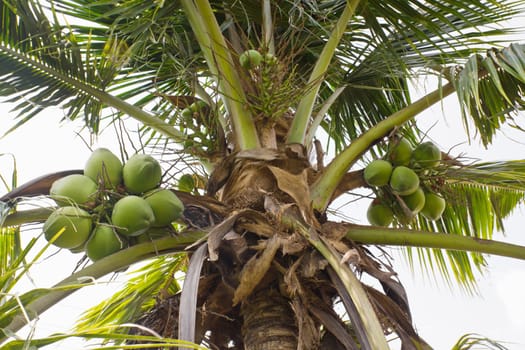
(269, 322)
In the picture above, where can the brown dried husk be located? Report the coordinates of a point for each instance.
(262, 276)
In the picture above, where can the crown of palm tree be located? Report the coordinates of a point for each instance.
(258, 228)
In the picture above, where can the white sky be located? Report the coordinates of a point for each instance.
(441, 314)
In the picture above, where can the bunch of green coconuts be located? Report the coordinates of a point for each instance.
(111, 205)
(398, 179)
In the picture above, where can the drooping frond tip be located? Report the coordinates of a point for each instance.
(491, 89)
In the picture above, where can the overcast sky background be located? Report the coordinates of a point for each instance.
(441, 314)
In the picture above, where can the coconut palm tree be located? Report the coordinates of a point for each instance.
(274, 110)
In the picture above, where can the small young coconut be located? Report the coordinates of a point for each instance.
(377, 172)
(141, 173)
(379, 214)
(250, 59)
(426, 155)
(187, 114)
(132, 215)
(270, 59)
(434, 206)
(104, 241)
(404, 181)
(415, 201)
(166, 206)
(401, 152)
(73, 189)
(104, 166)
(198, 106)
(76, 223)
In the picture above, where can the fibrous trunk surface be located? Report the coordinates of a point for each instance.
(269, 323)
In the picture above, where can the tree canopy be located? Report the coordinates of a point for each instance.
(263, 113)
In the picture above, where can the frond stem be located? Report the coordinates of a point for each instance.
(320, 115)
(413, 238)
(216, 52)
(323, 189)
(21, 217)
(305, 107)
(268, 27)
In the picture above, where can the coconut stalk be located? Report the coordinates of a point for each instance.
(27, 216)
(324, 187)
(217, 55)
(304, 109)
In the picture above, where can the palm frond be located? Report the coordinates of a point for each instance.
(306, 104)
(154, 280)
(28, 36)
(22, 72)
(9, 252)
(106, 334)
(10, 244)
(380, 58)
(14, 305)
(446, 26)
(164, 59)
(59, 65)
(370, 331)
(494, 189)
(476, 341)
(114, 262)
(491, 89)
(161, 45)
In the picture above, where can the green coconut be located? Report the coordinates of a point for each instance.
(250, 59)
(377, 172)
(404, 181)
(379, 214)
(141, 173)
(132, 215)
(104, 167)
(198, 106)
(187, 114)
(104, 241)
(73, 189)
(434, 206)
(75, 222)
(400, 152)
(270, 59)
(415, 201)
(426, 155)
(166, 206)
